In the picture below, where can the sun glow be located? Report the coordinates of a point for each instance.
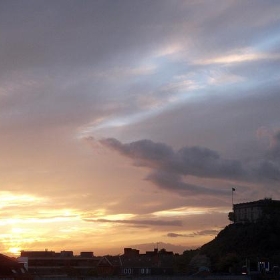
(14, 250)
(8, 199)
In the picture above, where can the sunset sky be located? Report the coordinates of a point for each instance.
(128, 122)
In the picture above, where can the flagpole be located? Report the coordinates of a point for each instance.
(232, 190)
(232, 198)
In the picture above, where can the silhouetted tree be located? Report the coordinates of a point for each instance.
(231, 216)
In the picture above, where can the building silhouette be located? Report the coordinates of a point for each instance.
(130, 263)
(251, 212)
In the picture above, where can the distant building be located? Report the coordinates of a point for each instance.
(86, 254)
(251, 212)
(38, 254)
(129, 252)
(131, 263)
(151, 263)
(46, 263)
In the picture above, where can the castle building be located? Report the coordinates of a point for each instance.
(251, 212)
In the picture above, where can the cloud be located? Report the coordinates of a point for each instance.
(138, 222)
(169, 50)
(170, 168)
(274, 150)
(144, 152)
(125, 72)
(172, 234)
(194, 234)
(196, 161)
(221, 78)
(240, 56)
(267, 169)
(174, 183)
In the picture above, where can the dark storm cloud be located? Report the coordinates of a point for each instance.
(145, 151)
(169, 167)
(197, 161)
(274, 151)
(266, 170)
(173, 182)
(139, 222)
(269, 166)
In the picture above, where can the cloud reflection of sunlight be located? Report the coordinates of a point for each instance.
(8, 199)
(186, 211)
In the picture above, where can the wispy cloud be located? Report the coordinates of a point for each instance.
(169, 50)
(239, 56)
(139, 222)
(152, 104)
(221, 78)
(210, 232)
(125, 72)
(10, 199)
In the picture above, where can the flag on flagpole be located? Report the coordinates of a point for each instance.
(233, 189)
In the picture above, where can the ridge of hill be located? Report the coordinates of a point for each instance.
(246, 242)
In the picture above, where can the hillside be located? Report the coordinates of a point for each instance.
(251, 241)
